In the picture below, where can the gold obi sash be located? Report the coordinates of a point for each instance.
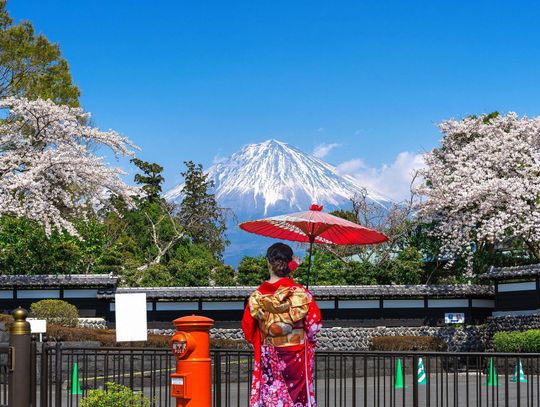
(280, 315)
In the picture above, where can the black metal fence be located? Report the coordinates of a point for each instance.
(4, 370)
(65, 374)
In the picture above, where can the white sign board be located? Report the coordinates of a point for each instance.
(130, 311)
(37, 326)
(454, 318)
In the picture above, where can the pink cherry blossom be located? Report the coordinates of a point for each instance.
(483, 183)
(49, 170)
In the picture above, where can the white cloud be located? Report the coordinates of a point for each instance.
(391, 180)
(323, 149)
(351, 166)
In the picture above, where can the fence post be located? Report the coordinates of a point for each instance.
(415, 379)
(20, 360)
(44, 378)
(58, 375)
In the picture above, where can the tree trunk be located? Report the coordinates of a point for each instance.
(535, 250)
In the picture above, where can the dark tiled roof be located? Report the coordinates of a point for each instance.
(60, 280)
(359, 291)
(501, 273)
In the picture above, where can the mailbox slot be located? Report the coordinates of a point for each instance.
(180, 386)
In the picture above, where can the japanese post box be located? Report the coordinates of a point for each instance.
(191, 385)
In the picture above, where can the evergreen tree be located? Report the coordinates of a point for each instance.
(151, 180)
(199, 213)
(31, 66)
(252, 271)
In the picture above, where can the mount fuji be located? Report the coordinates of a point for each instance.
(272, 178)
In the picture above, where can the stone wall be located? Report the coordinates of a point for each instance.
(475, 338)
(460, 339)
(94, 323)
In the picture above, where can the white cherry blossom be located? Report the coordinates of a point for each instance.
(483, 183)
(49, 171)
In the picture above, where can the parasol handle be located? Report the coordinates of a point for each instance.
(311, 241)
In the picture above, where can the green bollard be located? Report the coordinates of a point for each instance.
(492, 376)
(422, 378)
(75, 384)
(398, 384)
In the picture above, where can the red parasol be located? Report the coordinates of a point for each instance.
(314, 226)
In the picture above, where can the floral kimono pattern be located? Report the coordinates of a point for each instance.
(281, 320)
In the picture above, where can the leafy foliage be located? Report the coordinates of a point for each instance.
(252, 271)
(526, 342)
(199, 212)
(26, 249)
(55, 312)
(32, 67)
(115, 395)
(151, 180)
(158, 243)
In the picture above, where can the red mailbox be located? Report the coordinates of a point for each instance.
(191, 385)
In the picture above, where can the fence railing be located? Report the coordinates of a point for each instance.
(341, 378)
(4, 352)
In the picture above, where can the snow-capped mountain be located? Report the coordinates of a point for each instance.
(272, 178)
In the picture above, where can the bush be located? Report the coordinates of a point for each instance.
(408, 343)
(517, 342)
(107, 337)
(114, 395)
(55, 312)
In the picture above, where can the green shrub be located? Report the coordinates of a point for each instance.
(114, 395)
(408, 343)
(516, 342)
(106, 337)
(532, 341)
(55, 312)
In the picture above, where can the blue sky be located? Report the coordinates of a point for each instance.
(199, 79)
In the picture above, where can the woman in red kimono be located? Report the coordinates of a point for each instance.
(281, 321)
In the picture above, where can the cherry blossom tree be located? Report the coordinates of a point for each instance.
(49, 171)
(483, 184)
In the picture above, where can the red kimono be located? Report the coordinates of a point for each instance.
(281, 321)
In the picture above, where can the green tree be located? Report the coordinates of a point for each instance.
(252, 271)
(223, 275)
(31, 66)
(199, 212)
(26, 249)
(327, 269)
(151, 180)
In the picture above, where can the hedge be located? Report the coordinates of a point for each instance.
(408, 343)
(55, 312)
(517, 342)
(107, 337)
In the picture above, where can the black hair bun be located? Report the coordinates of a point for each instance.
(279, 256)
